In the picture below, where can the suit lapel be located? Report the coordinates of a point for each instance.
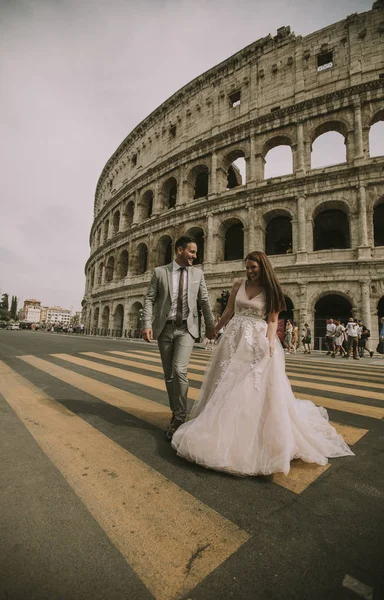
(169, 269)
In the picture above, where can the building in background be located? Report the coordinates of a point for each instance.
(31, 312)
(56, 315)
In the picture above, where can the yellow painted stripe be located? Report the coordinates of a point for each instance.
(335, 369)
(352, 377)
(136, 365)
(145, 380)
(346, 363)
(337, 381)
(196, 367)
(300, 476)
(170, 539)
(156, 353)
(348, 391)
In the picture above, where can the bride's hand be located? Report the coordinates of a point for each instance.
(271, 348)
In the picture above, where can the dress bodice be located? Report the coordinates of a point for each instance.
(255, 307)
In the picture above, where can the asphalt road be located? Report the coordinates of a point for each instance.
(94, 503)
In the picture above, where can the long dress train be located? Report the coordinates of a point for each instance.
(247, 420)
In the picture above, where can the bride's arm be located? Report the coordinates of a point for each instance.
(230, 308)
(272, 321)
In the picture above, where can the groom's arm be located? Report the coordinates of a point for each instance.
(149, 302)
(205, 305)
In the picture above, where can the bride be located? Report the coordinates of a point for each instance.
(247, 420)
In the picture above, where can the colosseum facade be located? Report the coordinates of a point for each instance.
(177, 172)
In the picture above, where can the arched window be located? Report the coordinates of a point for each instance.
(122, 265)
(200, 189)
(92, 278)
(116, 222)
(233, 234)
(328, 145)
(109, 269)
(288, 313)
(378, 223)
(141, 259)
(331, 230)
(105, 320)
(135, 319)
(129, 213)
(146, 205)
(106, 230)
(235, 165)
(169, 193)
(164, 254)
(376, 136)
(118, 321)
(331, 306)
(96, 317)
(278, 235)
(100, 273)
(98, 236)
(278, 161)
(198, 234)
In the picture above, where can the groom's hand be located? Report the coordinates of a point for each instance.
(148, 335)
(211, 334)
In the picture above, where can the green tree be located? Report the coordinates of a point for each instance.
(13, 311)
(5, 302)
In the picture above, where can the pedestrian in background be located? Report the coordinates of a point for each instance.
(307, 339)
(353, 337)
(329, 335)
(338, 340)
(363, 341)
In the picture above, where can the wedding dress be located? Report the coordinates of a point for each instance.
(247, 420)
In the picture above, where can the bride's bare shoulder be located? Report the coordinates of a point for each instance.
(236, 284)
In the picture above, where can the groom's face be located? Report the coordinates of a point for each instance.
(186, 257)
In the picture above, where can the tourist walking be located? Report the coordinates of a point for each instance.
(353, 336)
(247, 420)
(307, 339)
(329, 334)
(288, 336)
(338, 340)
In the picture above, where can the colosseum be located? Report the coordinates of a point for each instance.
(198, 165)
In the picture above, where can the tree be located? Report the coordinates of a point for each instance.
(5, 302)
(13, 311)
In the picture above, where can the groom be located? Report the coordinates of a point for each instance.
(171, 316)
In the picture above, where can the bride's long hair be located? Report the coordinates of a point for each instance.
(275, 301)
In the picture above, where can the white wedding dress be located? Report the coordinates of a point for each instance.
(247, 420)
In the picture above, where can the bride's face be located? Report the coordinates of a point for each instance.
(253, 271)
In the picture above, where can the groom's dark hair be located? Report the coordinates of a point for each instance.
(183, 242)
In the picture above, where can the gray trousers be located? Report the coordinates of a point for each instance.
(175, 345)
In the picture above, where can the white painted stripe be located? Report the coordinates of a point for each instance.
(358, 588)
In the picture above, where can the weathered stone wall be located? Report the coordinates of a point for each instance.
(284, 99)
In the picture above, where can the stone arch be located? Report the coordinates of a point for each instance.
(378, 222)
(118, 320)
(331, 226)
(198, 178)
(231, 232)
(146, 205)
(129, 213)
(330, 305)
(116, 222)
(96, 315)
(380, 312)
(164, 250)
(234, 164)
(376, 134)
(289, 312)
(92, 282)
(105, 320)
(169, 193)
(198, 234)
(332, 129)
(106, 230)
(135, 317)
(277, 150)
(278, 231)
(122, 264)
(110, 269)
(141, 262)
(100, 273)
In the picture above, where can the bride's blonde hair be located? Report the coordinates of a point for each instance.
(275, 301)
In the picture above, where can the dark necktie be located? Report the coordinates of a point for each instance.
(179, 307)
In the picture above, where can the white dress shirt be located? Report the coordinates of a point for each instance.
(330, 329)
(176, 281)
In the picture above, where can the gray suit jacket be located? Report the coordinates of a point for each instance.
(158, 300)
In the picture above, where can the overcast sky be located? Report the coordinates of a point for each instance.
(76, 77)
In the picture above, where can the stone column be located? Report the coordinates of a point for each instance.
(366, 304)
(364, 250)
(259, 167)
(251, 164)
(300, 160)
(110, 228)
(301, 254)
(157, 200)
(251, 230)
(210, 243)
(136, 212)
(303, 315)
(359, 150)
(213, 186)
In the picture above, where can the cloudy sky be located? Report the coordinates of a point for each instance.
(76, 77)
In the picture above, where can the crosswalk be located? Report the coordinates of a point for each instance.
(170, 538)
